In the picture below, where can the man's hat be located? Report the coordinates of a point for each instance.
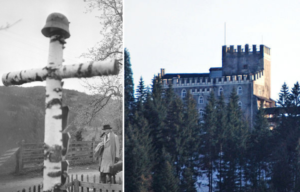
(105, 127)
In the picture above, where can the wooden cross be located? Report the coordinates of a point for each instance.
(55, 141)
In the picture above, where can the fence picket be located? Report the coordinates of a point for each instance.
(82, 180)
(87, 180)
(94, 182)
(82, 185)
(76, 185)
(72, 180)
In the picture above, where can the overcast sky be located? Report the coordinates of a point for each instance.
(24, 47)
(187, 36)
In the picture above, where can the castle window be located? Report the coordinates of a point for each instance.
(240, 104)
(220, 91)
(183, 93)
(201, 100)
(201, 113)
(240, 90)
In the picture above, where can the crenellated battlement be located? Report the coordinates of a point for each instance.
(208, 81)
(245, 50)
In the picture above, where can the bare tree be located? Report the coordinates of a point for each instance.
(103, 91)
(105, 88)
(4, 27)
(111, 19)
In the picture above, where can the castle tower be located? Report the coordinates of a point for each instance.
(244, 70)
(255, 63)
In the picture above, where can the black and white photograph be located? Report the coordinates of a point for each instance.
(61, 95)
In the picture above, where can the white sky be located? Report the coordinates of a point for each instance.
(187, 36)
(24, 47)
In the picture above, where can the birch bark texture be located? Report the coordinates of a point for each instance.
(56, 140)
(53, 118)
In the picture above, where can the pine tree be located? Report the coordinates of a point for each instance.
(192, 135)
(221, 131)
(188, 181)
(164, 179)
(295, 95)
(259, 151)
(284, 96)
(235, 146)
(141, 92)
(128, 89)
(138, 156)
(155, 113)
(209, 128)
(130, 141)
(285, 156)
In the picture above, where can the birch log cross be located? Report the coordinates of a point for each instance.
(55, 142)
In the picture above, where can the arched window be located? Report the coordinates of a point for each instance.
(183, 93)
(240, 104)
(220, 91)
(201, 113)
(201, 100)
(240, 90)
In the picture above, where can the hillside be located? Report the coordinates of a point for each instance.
(22, 115)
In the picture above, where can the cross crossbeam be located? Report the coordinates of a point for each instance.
(91, 69)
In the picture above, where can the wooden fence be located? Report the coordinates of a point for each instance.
(30, 155)
(84, 184)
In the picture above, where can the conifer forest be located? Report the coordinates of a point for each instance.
(168, 147)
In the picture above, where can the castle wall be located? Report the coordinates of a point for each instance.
(262, 86)
(207, 85)
(248, 69)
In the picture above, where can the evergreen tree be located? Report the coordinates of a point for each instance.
(138, 156)
(192, 135)
(155, 113)
(209, 128)
(141, 92)
(164, 179)
(259, 151)
(128, 89)
(284, 96)
(221, 131)
(188, 181)
(295, 95)
(285, 156)
(235, 146)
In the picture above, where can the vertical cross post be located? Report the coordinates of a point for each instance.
(56, 141)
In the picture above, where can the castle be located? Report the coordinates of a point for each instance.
(246, 70)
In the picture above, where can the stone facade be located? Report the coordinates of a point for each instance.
(247, 71)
